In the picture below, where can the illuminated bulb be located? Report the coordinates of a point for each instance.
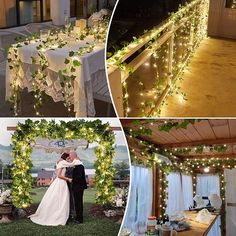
(147, 64)
(206, 170)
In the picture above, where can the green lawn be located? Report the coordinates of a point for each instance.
(91, 226)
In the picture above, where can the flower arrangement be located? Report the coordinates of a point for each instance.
(120, 198)
(5, 197)
(98, 16)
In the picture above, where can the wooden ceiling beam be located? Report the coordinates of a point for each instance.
(218, 155)
(198, 143)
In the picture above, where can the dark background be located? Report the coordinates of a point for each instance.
(132, 17)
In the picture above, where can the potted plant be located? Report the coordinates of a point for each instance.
(5, 205)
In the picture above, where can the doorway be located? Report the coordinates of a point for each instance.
(222, 18)
(230, 176)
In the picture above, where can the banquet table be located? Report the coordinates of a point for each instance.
(197, 229)
(92, 66)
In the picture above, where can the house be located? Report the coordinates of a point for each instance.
(45, 177)
(90, 177)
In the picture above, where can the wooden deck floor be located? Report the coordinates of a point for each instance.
(209, 82)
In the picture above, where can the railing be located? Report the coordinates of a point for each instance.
(169, 47)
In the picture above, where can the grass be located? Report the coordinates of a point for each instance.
(91, 226)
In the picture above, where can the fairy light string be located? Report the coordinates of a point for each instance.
(188, 27)
(93, 131)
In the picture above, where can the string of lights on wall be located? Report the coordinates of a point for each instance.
(149, 156)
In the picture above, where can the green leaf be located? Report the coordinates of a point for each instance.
(71, 54)
(76, 63)
(67, 61)
(73, 69)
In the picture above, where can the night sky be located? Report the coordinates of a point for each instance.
(132, 17)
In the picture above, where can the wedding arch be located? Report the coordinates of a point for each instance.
(93, 131)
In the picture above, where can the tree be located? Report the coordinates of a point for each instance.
(122, 170)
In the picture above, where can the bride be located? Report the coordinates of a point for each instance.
(55, 205)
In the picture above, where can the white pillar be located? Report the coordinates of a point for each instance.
(59, 10)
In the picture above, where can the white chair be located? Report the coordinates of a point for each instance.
(36, 27)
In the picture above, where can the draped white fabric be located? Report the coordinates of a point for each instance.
(207, 184)
(140, 200)
(81, 95)
(175, 194)
(230, 176)
(187, 187)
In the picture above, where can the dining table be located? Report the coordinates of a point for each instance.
(92, 66)
(198, 229)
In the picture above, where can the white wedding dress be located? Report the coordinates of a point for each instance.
(54, 208)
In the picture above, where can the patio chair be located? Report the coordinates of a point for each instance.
(36, 27)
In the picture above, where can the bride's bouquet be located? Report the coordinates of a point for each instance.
(5, 197)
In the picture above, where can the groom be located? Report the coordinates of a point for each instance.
(77, 188)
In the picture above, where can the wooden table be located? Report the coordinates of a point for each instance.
(197, 229)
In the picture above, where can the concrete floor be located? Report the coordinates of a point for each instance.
(209, 82)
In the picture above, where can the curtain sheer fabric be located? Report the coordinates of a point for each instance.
(207, 184)
(187, 187)
(175, 195)
(140, 199)
(180, 192)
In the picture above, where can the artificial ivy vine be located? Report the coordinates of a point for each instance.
(186, 39)
(149, 156)
(39, 76)
(93, 131)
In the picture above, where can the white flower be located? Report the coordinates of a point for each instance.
(104, 12)
(1, 201)
(119, 203)
(97, 16)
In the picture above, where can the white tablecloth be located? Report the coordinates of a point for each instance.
(92, 63)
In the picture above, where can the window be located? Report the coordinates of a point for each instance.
(77, 7)
(231, 4)
(21, 12)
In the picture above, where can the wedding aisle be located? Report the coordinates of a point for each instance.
(91, 226)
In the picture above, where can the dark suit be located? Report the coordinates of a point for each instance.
(78, 186)
(69, 173)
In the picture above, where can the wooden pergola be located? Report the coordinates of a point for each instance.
(202, 132)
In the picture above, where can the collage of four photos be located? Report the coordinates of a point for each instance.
(118, 117)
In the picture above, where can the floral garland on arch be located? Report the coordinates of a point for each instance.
(92, 131)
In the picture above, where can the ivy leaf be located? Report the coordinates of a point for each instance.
(71, 54)
(73, 69)
(73, 77)
(67, 61)
(76, 63)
